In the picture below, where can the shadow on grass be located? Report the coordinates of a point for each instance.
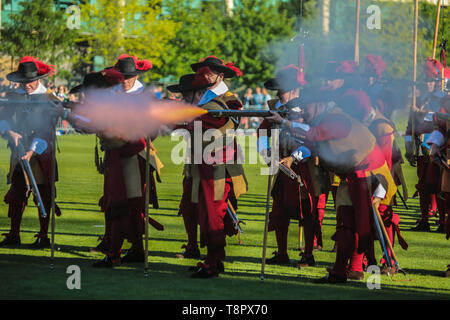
(172, 281)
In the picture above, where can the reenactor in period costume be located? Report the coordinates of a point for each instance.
(347, 148)
(382, 99)
(216, 177)
(188, 209)
(439, 140)
(358, 104)
(290, 199)
(32, 125)
(428, 172)
(96, 82)
(124, 178)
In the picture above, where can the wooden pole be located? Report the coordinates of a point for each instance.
(358, 9)
(147, 202)
(436, 28)
(414, 102)
(53, 195)
(266, 227)
(275, 148)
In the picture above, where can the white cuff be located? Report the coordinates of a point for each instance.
(301, 153)
(436, 138)
(4, 126)
(300, 125)
(429, 117)
(38, 145)
(380, 192)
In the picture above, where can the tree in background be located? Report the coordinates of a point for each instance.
(250, 33)
(393, 41)
(39, 30)
(200, 34)
(428, 14)
(113, 27)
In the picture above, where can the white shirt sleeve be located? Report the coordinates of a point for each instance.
(436, 138)
(380, 192)
(38, 145)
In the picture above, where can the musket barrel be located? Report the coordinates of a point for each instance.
(244, 113)
(443, 116)
(29, 173)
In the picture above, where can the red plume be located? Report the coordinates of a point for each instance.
(348, 66)
(41, 66)
(432, 68)
(300, 74)
(375, 64)
(235, 69)
(142, 65)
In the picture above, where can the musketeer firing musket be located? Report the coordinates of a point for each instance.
(29, 127)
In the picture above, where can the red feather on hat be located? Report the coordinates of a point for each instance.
(348, 66)
(375, 64)
(432, 68)
(235, 69)
(41, 66)
(300, 74)
(142, 65)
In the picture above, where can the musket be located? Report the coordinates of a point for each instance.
(439, 158)
(291, 174)
(234, 217)
(28, 173)
(442, 116)
(246, 113)
(381, 236)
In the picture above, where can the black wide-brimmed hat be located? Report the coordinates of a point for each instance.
(30, 69)
(98, 80)
(186, 84)
(131, 66)
(287, 79)
(90, 81)
(346, 69)
(216, 64)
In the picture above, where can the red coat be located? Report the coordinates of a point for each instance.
(114, 199)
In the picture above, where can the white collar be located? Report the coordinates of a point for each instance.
(39, 90)
(212, 93)
(137, 88)
(220, 89)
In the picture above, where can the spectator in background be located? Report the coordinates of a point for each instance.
(248, 98)
(258, 98)
(158, 90)
(3, 87)
(267, 97)
(62, 93)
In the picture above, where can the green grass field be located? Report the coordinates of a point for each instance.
(26, 273)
